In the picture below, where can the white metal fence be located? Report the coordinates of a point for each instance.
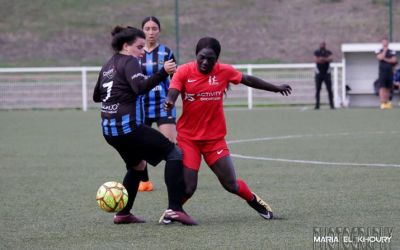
(72, 87)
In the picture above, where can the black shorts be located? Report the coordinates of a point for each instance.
(160, 120)
(144, 143)
(385, 80)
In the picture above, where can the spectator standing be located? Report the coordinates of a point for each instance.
(387, 61)
(323, 58)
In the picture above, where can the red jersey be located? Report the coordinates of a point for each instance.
(202, 97)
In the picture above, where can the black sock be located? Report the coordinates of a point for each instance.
(131, 183)
(175, 185)
(253, 201)
(145, 174)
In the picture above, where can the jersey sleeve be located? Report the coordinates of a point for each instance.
(139, 82)
(96, 92)
(179, 78)
(235, 76)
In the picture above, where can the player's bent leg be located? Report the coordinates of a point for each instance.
(190, 177)
(131, 183)
(145, 184)
(176, 189)
(225, 172)
(169, 131)
(173, 177)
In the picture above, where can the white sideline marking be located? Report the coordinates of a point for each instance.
(316, 162)
(312, 162)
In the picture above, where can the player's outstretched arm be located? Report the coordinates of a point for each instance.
(258, 83)
(141, 84)
(171, 99)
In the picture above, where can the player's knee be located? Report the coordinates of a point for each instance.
(141, 166)
(230, 186)
(174, 155)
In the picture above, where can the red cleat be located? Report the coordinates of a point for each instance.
(127, 219)
(170, 216)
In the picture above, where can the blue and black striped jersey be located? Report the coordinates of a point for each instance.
(396, 75)
(153, 101)
(119, 87)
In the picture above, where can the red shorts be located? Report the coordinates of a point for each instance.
(212, 150)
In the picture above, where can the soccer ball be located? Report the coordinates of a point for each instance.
(112, 196)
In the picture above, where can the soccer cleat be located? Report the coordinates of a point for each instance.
(386, 105)
(145, 186)
(261, 207)
(127, 219)
(170, 216)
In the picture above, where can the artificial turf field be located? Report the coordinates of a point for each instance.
(321, 168)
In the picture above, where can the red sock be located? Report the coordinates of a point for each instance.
(244, 191)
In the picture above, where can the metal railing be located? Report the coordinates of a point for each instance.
(72, 87)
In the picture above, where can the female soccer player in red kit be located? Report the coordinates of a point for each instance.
(202, 127)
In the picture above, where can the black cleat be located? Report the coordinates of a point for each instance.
(263, 209)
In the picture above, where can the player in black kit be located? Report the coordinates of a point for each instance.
(323, 58)
(119, 84)
(387, 61)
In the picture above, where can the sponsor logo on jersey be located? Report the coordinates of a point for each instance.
(150, 62)
(212, 80)
(157, 88)
(189, 97)
(204, 96)
(162, 53)
(109, 73)
(139, 75)
(110, 109)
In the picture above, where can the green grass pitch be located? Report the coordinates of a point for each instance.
(312, 168)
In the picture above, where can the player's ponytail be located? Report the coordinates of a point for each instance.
(117, 29)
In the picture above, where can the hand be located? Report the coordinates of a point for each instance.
(170, 66)
(284, 89)
(168, 105)
(381, 56)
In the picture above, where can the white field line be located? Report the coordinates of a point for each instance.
(312, 162)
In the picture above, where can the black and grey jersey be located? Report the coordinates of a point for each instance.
(322, 68)
(385, 67)
(153, 101)
(118, 88)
